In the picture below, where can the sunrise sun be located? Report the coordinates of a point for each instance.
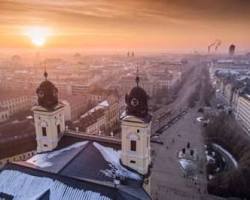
(38, 35)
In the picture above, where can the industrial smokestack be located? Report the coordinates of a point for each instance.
(232, 49)
(209, 47)
(217, 45)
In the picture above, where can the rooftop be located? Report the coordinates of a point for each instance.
(77, 166)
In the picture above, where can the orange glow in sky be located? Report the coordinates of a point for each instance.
(38, 35)
(124, 24)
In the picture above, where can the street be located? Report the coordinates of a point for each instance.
(168, 181)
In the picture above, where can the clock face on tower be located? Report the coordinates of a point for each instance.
(40, 94)
(137, 102)
(134, 102)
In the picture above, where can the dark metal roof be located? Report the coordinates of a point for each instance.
(87, 164)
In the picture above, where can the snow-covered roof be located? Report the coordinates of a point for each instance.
(77, 166)
(48, 159)
(113, 157)
(56, 160)
(27, 187)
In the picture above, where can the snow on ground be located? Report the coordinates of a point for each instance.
(113, 156)
(188, 166)
(185, 163)
(202, 119)
(210, 159)
(227, 153)
(210, 177)
(42, 160)
(26, 187)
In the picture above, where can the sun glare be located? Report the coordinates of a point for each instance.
(38, 35)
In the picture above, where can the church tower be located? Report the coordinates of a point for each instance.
(136, 130)
(48, 116)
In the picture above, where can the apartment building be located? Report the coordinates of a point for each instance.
(243, 112)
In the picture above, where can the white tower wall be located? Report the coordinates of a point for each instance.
(50, 126)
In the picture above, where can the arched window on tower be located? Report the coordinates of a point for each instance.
(132, 145)
(58, 130)
(44, 131)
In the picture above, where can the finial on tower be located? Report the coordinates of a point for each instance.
(137, 79)
(45, 72)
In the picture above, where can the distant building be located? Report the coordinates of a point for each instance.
(232, 49)
(93, 123)
(15, 101)
(75, 106)
(234, 88)
(4, 114)
(101, 118)
(17, 141)
(98, 95)
(78, 89)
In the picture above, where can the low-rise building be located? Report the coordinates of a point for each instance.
(4, 114)
(103, 117)
(17, 141)
(243, 111)
(15, 101)
(75, 106)
(98, 95)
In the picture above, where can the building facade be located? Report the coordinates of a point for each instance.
(243, 112)
(48, 117)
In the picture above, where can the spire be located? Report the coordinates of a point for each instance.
(137, 79)
(45, 72)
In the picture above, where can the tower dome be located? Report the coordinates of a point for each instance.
(47, 94)
(137, 101)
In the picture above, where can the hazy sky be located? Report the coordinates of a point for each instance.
(173, 25)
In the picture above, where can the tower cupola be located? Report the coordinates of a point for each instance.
(47, 94)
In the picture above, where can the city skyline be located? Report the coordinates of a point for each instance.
(145, 25)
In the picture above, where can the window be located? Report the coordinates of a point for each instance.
(138, 130)
(44, 131)
(45, 145)
(132, 161)
(133, 145)
(58, 129)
